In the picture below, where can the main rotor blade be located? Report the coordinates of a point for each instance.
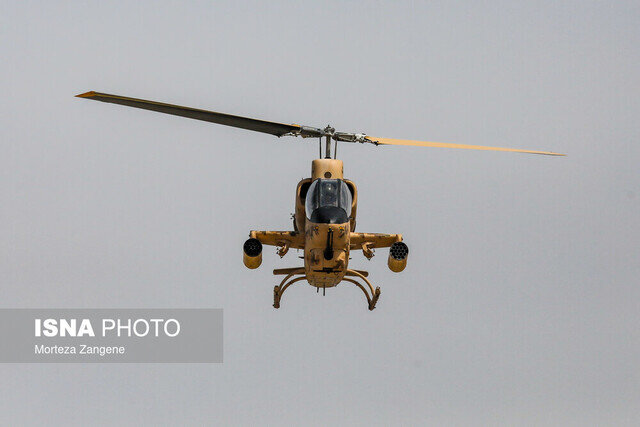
(277, 129)
(390, 141)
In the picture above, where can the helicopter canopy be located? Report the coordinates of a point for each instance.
(328, 201)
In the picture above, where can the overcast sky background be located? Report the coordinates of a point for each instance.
(520, 302)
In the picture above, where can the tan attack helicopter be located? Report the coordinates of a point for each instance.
(324, 222)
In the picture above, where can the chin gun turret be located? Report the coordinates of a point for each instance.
(252, 256)
(398, 256)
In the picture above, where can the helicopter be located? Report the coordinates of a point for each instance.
(324, 222)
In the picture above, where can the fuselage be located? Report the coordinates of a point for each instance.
(324, 227)
(325, 210)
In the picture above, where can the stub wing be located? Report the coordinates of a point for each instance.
(290, 239)
(373, 240)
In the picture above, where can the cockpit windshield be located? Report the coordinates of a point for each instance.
(328, 201)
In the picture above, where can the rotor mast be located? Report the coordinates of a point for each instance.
(327, 147)
(328, 134)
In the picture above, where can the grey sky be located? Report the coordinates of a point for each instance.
(520, 301)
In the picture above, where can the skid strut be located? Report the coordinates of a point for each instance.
(371, 294)
(279, 290)
(375, 294)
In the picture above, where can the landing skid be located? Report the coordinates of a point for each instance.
(289, 279)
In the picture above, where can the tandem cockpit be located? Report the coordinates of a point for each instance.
(328, 201)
